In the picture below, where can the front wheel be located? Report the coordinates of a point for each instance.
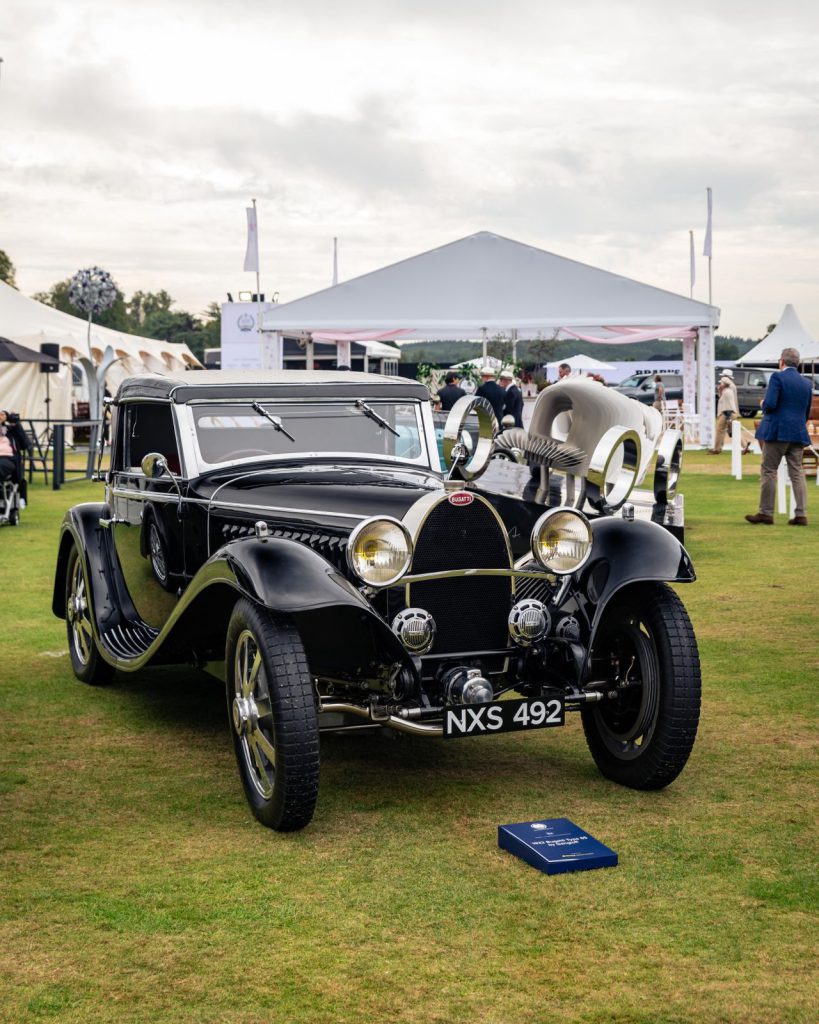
(86, 661)
(646, 649)
(273, 717)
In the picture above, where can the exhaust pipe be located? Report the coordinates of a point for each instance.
(393, 721)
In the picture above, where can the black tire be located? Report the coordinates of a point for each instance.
(89, 666)
(644, 736)
(273, 717)
(14, 517)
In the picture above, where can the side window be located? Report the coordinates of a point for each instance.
(756, 380)
(149, 428)
(117, 438)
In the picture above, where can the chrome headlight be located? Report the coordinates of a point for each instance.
(562, 540)
(379, 551)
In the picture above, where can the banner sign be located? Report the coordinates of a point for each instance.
(244, 347)
(555, 845)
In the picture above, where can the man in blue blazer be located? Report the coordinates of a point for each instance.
(783, 433)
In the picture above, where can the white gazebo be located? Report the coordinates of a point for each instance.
(788, 333)
(580, 363)
(486, 285)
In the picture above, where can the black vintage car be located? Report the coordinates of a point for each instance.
(296, 535)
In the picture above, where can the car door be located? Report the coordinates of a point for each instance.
(146, 513)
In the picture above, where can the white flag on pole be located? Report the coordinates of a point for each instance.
(252, 253)
(706, 248)
(693, 261)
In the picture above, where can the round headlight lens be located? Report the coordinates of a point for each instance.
(379, 551)
(562, 540)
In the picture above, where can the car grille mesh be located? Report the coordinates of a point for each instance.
(470, 612)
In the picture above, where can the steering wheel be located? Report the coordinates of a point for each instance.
(240, 453)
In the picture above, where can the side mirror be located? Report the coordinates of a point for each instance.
(154, 466)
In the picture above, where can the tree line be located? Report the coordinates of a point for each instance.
(149, 314)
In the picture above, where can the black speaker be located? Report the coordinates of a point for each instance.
(48, 348)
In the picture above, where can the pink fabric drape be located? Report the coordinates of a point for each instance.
(359, 335)
(630, 335)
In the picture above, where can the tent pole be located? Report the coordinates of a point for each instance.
(483, 344)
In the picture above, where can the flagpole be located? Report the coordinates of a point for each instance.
(693, 272)
(707, 247)
(258, 291)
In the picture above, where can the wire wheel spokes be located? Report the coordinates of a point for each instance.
(252, 714)
(157, 554)
(627, 722)
(79, 615)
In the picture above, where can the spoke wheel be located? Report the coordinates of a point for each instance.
(158, 556)
(85, 658)
(273, 717)
(645, 645)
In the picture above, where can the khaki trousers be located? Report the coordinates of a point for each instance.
(773, 452)
(722, 430)
(725, 427)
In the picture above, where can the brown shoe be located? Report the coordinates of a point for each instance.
(713, 451)
(798, 521)
(760, 517)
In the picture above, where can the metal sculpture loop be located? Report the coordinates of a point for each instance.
(456, 424)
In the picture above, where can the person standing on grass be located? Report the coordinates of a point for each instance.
(564, 371)
(491, 391)
(659, 392)
(728, 417)
(784, 433)
(451, 391)
(513, 402)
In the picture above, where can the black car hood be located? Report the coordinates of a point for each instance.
(336, 489)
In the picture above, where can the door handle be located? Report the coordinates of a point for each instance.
(114, 521)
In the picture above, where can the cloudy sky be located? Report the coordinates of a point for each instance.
(133, 135)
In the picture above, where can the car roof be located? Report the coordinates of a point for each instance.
(257, 384)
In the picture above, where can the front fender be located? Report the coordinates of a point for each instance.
(626, 552)
(343, 636)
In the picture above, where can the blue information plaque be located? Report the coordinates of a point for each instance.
(555, 845)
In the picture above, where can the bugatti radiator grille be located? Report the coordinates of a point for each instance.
(470, 612)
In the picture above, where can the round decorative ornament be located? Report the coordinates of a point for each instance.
(92, 291)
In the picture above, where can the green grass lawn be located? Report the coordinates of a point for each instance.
(136, 886)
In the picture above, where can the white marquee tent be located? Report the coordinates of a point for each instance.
(579, 363)
(788, 333)
(31, 323)
(486, 284)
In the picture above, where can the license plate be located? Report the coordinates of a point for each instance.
(503, 716)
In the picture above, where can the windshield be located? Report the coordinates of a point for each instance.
(235, 431)
(632, 382)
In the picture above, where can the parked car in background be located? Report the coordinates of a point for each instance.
(641, 387)
(751, 382)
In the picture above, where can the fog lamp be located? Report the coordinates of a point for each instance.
(415, 628)
(528, 622)
(379, 551)
(562, 540)
(466, 686)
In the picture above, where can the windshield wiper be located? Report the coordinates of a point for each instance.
(371, 414)
(275, 420)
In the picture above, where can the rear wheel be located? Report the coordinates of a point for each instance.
(646, 648)
(85, 658)
(273, 717)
